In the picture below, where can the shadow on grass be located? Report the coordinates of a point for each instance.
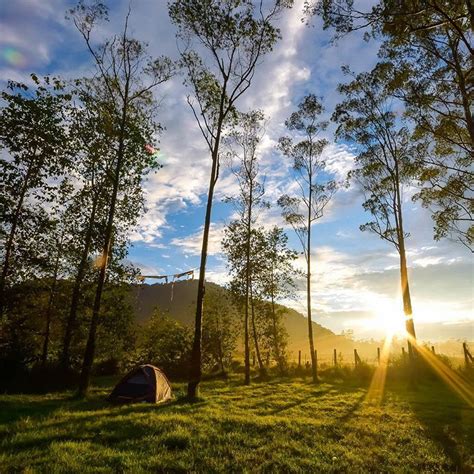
(14, 410)
(448, 420)
(91, 420)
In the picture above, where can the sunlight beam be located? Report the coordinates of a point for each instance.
(449, 376)
(377, 384)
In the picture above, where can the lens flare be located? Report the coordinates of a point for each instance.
(99, 261)
(155, 152)
(13, 57)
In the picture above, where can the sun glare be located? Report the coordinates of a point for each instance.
(388, 318)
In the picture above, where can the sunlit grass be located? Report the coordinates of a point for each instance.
(276, 426)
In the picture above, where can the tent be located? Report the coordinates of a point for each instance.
(145, 383)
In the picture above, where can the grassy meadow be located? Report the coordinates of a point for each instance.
(281, 425)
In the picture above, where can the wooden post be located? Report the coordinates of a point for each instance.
(299, 359)
(378, 355)
(356, 358)
(468, 359)
(404, 354)
(335, 358)
(433, 350)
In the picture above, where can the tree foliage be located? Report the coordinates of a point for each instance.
(385, 166)
(428, 48)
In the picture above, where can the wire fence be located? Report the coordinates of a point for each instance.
(353, 359)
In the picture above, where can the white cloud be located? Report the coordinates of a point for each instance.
(192, 244)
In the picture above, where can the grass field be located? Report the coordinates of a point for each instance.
(276, 426)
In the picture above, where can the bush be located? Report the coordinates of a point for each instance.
(163, 342)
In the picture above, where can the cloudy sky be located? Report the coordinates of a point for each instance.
(356, 284)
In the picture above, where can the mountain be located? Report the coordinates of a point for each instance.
(179, 300)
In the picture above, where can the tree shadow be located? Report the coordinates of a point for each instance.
(448, 420)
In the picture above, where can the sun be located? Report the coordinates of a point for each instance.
(388, 317)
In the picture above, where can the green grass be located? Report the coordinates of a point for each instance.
(276, 426)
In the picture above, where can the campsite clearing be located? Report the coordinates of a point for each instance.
(277, 426)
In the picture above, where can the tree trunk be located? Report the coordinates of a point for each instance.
(49, 311)
(314, 369)
(11, 238)
(196, 355)
(247, 291)
(76, 292)
(261, 366)
(407, 308)
(84, 379)
(247, 342)
(278, 356)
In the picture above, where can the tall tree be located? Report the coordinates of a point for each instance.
(244, 140)
(230, 37)
(316, 188)
(94, 157)
(122, 65)
(33, 133)
(429, 47)
(238, 245)
(383, 167)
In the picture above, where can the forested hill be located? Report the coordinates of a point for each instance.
(179, 301)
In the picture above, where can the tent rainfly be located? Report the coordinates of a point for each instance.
(145, 383)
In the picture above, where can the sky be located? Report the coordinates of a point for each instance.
(356, 275)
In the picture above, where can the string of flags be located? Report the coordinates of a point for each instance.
(173, 278)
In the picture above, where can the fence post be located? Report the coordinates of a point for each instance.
(335, 358)
(299, 359)
(468, 359)
(433, 350)
(404, 354)
(378, 355)
(356, 358)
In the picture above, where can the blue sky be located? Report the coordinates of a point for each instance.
(355, 282)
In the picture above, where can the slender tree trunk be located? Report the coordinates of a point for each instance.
(76, 292)
(275, 332)
(407, 308)
(196, 355)
(247, 291)
(11, 239)
(84, 379)
(49, 311)
(314, 372)
(261, 366)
